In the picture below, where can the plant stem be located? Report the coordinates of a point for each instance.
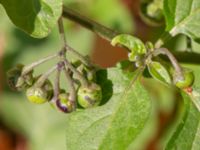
(56, 89)
(177, 67)
(83, 59)
(30, 67)
(72, 91)
(62, 31)
(44, 77)
(83, 81)
(63, 52)
(95, 27)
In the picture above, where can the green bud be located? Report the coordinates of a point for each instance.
(40, 95)
(89, 96)
(187, 81)
(18, 82)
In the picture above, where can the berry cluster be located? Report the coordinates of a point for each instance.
(83, 91)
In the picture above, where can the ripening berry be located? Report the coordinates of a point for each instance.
(89, 96)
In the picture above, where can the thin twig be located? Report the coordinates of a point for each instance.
(44, 77)
(95, 27)
(83, 59)
(56, 89)
(83, 81)
(30, 67)
(62, 31)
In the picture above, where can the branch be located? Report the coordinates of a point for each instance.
(95, 27)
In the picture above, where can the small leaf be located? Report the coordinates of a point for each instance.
(183, 17)
(35, 17)
(135, 45)
(159, 72)
(117, 123)
(186, 136)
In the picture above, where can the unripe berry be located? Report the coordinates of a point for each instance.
(40, 95)
(89, 96)
(187, 81)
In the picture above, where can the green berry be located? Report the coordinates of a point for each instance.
(40, 95)
(37, 95)
(187, 81)
(89, 96)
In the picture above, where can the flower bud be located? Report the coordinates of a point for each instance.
(89, 96)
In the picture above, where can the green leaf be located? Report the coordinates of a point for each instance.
(135, 45)
(35, 17)
(186, 136)
(183, 17)
(159, 72)
(117, 123)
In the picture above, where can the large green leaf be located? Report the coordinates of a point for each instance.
(117, 123)
(183, 17)
(36, 17)
(186, 136)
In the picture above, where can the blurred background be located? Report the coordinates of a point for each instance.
(24, 126)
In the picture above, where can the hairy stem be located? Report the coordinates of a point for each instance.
(95, 27)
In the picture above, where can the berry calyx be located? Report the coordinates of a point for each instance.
(89, 96)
